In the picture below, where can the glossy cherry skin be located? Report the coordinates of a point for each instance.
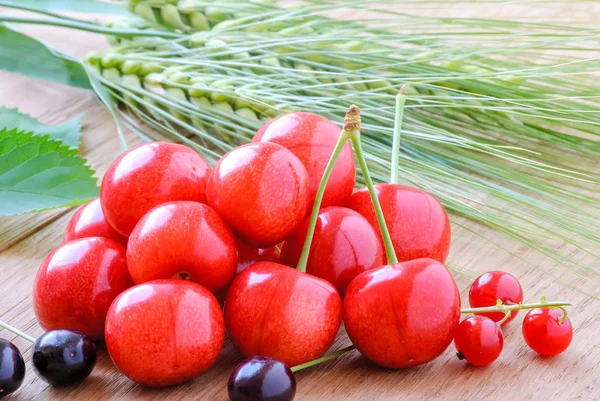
(261, 378)
(147, 176)
(164, 332)
(312, 139)
(12, 368)
(249, 255)
(76, 284)
(88, 221)
(277, 311)
(183, 240)
(492, 286)
(261, 190)
(344, 245)
(404, 314)
(544, 333)
(417, 221)
(479, 340)
(62, 357)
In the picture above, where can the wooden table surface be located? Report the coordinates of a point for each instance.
(519, 374)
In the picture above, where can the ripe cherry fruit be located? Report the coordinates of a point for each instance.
(418, 223)
(261, 379)
(404, 314)
(12, 368)
(62, 357)
(280, 312)
(164, 332)
(545, 332)
(76, 284)
(312, 139)
(183, 240)
(344, 245)
(492, 286)
(147, 176)
(88, 221)
(261, 190)
(479, 340)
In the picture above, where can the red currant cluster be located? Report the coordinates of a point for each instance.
(144, 266)
(479, 338)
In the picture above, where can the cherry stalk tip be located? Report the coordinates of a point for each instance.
(352, 119)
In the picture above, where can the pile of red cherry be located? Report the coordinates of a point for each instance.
(147, 265)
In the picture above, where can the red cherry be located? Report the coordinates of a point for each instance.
(344, 245)
(492, 286)
(479, 340)
(404, 314)
(88, 221)
(164, 332)
(147, 176)
(277, 311)
(248, 255)
(76, 284)
(261, 190)
(417, 221)
(312, 138)
(183, 240)
(544, 333)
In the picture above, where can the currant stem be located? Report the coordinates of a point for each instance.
(507, 315)
(400, 101)
(387, 240)
(343, 138)
(17, 332)
(508, 308)
(322, 359)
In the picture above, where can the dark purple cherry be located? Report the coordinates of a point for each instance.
(12, 368)
(62, 357)
(261, 379)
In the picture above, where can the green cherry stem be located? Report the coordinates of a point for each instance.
(322, 359)
(17, 331)
(509, 308)
(400, 101)
(343, 138)
(356, 143)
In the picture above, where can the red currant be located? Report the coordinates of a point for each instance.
(479, 340)
(544, 333)
(492, 286)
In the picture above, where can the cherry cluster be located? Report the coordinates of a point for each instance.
(148, 265)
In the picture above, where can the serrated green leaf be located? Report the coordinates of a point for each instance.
(24, 55)
(85, 6)
(68, 133)
(37, 173)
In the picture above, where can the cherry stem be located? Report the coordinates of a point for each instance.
(507, 316)
(17, 331)
(356, 143)
(343, 138)
(400, 101)
(509, 308)
(322, 359)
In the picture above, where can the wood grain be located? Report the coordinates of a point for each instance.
(519, 374)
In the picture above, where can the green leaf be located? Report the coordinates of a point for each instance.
(68, 133)
(85, 6)
(37, 173)
(24, 55)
